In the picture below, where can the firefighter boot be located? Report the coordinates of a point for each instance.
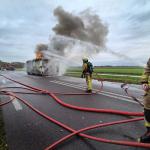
(88, 91)
(146, 137)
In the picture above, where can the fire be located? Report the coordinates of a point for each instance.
(39, 55)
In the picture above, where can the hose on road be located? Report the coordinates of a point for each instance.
(125, 88)
(4, 103)
(79, 132)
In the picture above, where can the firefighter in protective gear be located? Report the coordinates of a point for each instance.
(145, 80)
(87, 74)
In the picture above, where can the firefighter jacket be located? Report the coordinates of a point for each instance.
(85, 68)
(145, 79)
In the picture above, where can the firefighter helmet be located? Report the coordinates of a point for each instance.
(85, 59)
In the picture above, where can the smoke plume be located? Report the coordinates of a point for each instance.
(75, 36)
(86, 27)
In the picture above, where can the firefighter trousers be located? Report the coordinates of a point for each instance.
(89, 81)
(147, 108)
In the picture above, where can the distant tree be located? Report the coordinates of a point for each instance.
(17, 64)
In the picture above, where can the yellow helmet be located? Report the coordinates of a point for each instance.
(85, 59)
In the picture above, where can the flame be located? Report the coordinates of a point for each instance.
(39, 55)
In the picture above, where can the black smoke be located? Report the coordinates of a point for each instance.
(85, 27)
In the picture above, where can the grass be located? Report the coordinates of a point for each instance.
(126, 71)
(124, 79)
(109, 73)
(20, 69)
(3, 145)
(113, 70)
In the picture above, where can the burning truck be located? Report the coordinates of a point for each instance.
(40, 65)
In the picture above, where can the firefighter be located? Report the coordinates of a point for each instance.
(87, 73)
(145, 80)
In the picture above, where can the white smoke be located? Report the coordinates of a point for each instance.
(75, 37)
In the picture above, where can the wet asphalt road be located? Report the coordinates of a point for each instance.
(26, 130)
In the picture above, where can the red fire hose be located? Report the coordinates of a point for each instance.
(4, 103)
(76, 107)
(74, 132)
(127, 143)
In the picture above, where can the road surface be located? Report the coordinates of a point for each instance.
(26, 130)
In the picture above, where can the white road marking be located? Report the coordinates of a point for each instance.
(16, 105)
(109, 94)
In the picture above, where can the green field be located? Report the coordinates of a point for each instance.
(116, 74)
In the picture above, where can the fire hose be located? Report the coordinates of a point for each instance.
(125, 88)
(74, 132)
(4, 103)
(77, 107)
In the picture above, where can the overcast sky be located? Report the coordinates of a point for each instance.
(24, 23)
